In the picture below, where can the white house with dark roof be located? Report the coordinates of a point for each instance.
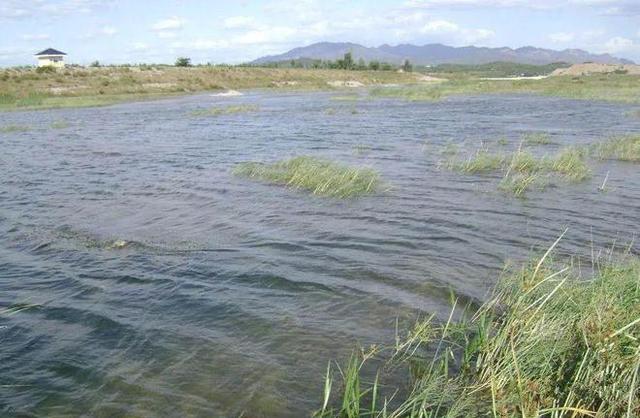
(51, 58)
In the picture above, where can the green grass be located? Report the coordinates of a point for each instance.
(525, 171)
(318, 176)
(537, 138)
(13, 128)
(624, 148)
(225, 110)
(548, 343)
(60, 124)
(609, 87)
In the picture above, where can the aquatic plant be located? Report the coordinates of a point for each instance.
(318, 176)
(524, 170)
(548, 343)
(13, 128)
(537, 138)
(623, 148)
(60, 124)
(226, 110)
(480, 162)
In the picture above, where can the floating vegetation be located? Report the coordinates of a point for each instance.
(547, 344)
(226, 110)
(60, 124)
(318, 176)
(524, 170)
(624, 148)
(13, 128)
(537, 138)
(346, 98)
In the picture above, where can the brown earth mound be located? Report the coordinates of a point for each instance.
(593, 68)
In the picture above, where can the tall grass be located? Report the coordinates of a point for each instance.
(624, 148)
(524, 170)
(318, 176)
(548, 343)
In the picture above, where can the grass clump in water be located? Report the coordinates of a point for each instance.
(60, 124)
(481, 162)
(548, 343)
(226, 110)
(625, 148)
(13, 128)
(537, 138)
(318, 176)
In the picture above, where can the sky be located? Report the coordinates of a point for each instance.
(158, 31)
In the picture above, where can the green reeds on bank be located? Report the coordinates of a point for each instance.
(318, 176)
(548, 343)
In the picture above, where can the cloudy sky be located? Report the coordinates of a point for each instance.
(120, 31)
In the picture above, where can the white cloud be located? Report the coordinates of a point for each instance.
(440, 26)
(108, 30)
(240, 22)
(619, 44)
(562, 37)
(36, 37)
(170, 24)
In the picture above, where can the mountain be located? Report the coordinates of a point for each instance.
(434, 54)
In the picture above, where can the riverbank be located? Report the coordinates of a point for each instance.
(22, 89)
(549, 343)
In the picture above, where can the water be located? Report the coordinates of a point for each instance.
(231, 296)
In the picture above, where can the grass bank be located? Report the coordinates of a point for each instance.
(550, 342)
(82, 87)
(318, 176)
(609, 87)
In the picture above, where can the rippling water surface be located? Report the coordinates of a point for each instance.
(231, 296)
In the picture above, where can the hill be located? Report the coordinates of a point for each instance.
(434, 54)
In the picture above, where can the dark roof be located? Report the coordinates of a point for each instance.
(51, 51)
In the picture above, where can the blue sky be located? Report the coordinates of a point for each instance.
(134, 31)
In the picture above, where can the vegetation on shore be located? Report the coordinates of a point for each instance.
(318, 176)
(98, 86)
(609, 87)
(548, 343)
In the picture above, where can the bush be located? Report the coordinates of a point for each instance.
(47, 69)
(183, 62)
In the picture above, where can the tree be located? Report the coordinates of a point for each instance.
(407, 66)
(95, 64)
(374, 65)
(348, 61)
(183, 62)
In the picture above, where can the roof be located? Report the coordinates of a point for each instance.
(51, 51)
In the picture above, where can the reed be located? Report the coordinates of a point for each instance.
(548, 343)
(318, 176)
(225, 110)
(623, 148)
(13, 128)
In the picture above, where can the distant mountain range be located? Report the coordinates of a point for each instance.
(434, 54)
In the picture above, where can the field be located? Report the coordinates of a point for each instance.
(81, 87)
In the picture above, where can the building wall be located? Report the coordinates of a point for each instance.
(51, 61)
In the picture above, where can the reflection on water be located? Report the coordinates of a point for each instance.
(163, 285)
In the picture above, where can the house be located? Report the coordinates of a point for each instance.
(51, 58)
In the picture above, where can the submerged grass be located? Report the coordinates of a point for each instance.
(60, 124)
(225, 110)
(524, 170)
(318, 176)
(548, 343)
(537, 138)
(13, 128)
(625, 148)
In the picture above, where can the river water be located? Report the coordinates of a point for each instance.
(230, 296)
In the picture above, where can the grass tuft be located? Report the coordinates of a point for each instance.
(548, 343)
(226, 110)
(318, 176)
(537, 138)
(625, 148)
(13, 128)
(60, 124)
